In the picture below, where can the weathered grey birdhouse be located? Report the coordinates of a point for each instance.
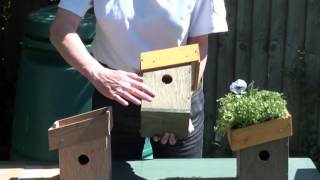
(173, 74)
(84, 145)
(262, 150)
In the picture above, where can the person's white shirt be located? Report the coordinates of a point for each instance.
(125, 28)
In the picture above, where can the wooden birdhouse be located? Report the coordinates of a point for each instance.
(84, 145)
(173, 74)
(262, 149)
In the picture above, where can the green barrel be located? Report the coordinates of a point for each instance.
(47, 88)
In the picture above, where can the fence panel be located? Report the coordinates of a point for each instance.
(276, 43)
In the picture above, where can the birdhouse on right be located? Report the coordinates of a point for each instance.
(173, 74)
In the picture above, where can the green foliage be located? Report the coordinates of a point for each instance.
(237, 111)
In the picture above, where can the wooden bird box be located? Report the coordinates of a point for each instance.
(173, 74)
(84, 145)
(262, 149)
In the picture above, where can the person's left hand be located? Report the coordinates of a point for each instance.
(170, 137)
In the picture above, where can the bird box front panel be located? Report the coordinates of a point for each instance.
(86, 160)
(173, 88)
(170, 110)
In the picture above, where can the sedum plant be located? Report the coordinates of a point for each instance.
(244, 106)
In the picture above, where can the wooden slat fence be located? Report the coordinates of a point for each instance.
(276, 44)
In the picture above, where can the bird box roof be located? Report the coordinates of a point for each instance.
(80, 128)
(171, 57)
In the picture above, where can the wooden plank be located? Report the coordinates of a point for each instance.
(260, 133)
(172, 107)
(276, 44)
(167, 98)
(171, 57)
(81, 117)
(264, 162)
(243, 36)
(209, 90)
(158, 123)
(225, 69)
(311, 97)
(87, 160)
(294, 71)
(82, 130)
(260, 40)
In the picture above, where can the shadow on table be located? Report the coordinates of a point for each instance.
(307, 174)
(123, 170)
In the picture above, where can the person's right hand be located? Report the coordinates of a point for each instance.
(121, 86)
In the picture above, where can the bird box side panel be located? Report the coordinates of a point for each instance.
(157, 123)
(173, 88)
(87, 160)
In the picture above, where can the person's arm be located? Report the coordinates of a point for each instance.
(203, 48)
(121, 86)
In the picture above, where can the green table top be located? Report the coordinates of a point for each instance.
(216, 169)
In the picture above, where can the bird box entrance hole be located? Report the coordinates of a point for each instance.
(264, 155)
(83, 159)
(167, 79)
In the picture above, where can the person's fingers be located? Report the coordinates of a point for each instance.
(165, 138)
(137, 93)
(156, 138)
(135, 77)
(120, 100)
(172, 139)
(145, 89)
(129, 97)
(190, 127)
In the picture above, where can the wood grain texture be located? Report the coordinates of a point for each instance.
(81, 128)
(260, 40)
(158, 123)
(276, 45)
(260, 133)
(294, 72)
(171, 57)
(170, 109)
(99, 163)
(173, 96)
(264, 162)
(209, 89)
(311, 86)
(243, 38)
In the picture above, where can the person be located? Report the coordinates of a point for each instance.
(124, 29)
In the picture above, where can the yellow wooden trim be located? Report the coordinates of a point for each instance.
(260, 133)
(171, 57)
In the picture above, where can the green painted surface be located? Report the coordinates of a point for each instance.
(219, 168)
(215, 169)
(147, 152)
